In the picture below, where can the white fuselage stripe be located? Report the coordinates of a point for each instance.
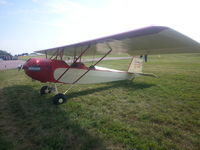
(93, 76)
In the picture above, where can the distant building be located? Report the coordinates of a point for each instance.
(35, 54)
(15, 57)
(23, 54)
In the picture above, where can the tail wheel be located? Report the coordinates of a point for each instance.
(59, 99)
(45, 90)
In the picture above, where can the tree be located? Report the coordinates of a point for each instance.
(5, 55)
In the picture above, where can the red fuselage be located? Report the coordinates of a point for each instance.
(42, 69)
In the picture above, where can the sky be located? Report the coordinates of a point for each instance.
(30, 25)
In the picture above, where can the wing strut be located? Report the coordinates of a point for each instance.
(54, 53)
(73, 62)
(91, 67)
(58, 53)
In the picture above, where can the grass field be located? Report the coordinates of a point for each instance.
(144, 114)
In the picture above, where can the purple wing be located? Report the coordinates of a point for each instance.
(149, 40)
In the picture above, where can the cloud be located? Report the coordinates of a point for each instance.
(82, 21)
(58, 7)
(35, 1)
(3, 2)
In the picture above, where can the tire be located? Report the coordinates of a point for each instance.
(44, 90)
(59, 99)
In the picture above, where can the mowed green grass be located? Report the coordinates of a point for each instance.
(143, 114)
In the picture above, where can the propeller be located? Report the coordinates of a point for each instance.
(20, 67)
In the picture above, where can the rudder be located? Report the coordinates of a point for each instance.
(136, 65)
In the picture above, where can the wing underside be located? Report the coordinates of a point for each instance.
(150, 40)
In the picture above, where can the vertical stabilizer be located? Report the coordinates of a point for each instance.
(136, 65)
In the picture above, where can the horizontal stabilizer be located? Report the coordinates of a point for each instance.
(147, 74)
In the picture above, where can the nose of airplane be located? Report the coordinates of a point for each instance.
(37, 68)
(32, 64)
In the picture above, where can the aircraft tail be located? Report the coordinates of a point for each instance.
(136, 66)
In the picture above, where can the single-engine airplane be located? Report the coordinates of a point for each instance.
(137, 43)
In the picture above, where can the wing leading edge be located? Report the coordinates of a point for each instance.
(149, 40)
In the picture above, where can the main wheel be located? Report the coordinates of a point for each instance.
(44, 90)
(59, 99)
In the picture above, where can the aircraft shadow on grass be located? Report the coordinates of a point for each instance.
(35, 123)
(129, 85)
(41, 125)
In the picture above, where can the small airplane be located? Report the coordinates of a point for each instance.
(137, 43)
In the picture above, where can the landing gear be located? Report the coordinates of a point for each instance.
(59, 99)
(45, 90)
